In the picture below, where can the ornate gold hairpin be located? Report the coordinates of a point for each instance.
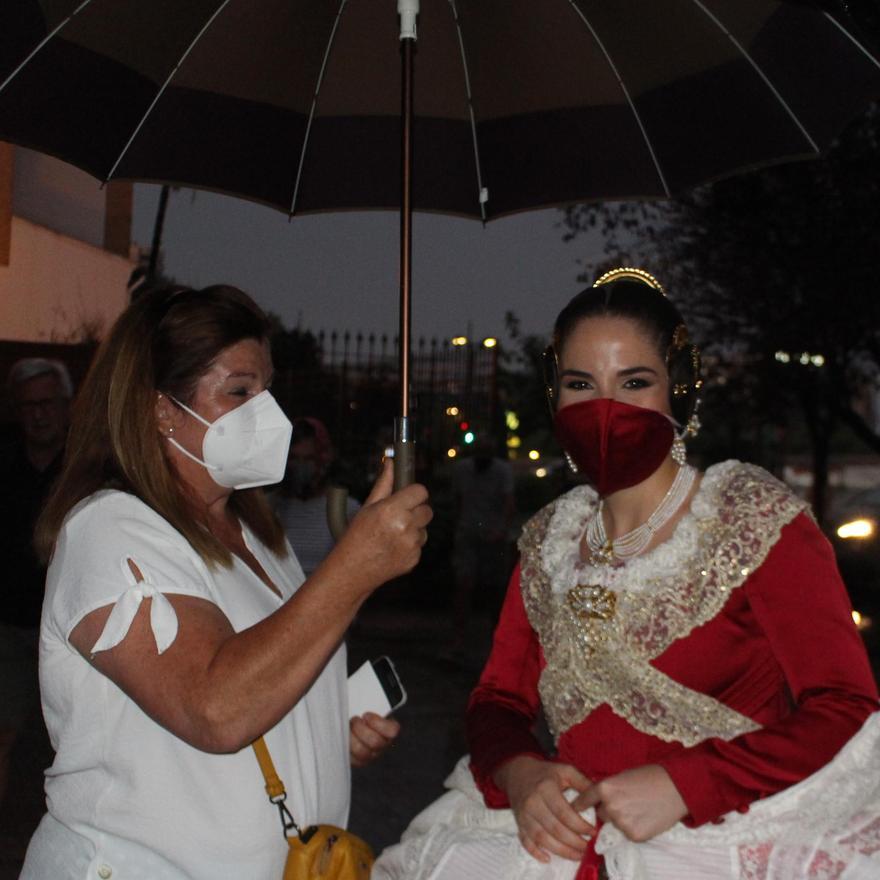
(633, 274)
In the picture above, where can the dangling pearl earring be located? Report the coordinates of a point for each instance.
(572, 466)
(679, 452)
(170, 430)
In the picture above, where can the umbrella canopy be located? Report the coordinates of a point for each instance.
(518, 103)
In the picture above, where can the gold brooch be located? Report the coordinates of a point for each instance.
(591, 607)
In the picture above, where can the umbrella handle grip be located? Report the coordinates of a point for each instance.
(337, 511)
(404, 463)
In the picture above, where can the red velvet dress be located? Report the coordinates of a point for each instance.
(783, 651)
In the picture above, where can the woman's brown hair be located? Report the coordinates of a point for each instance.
(163, 342)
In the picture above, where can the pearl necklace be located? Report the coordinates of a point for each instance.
(604, 550)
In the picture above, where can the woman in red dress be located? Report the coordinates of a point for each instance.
(688, 639)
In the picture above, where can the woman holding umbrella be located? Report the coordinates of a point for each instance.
(687, 637)
(177, 627)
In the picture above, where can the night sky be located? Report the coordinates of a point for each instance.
(340, 271)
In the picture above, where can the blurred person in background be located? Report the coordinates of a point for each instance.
(40, 391)
(301, 499)
(482, 486)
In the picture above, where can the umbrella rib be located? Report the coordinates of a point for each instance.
(165, 84)
(483, 193)
(626, 93)
(314, 107)
(760, 73)
(42, 43)
(851, 38)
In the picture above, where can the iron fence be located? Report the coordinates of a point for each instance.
(352, 385)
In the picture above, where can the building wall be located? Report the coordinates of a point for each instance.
(58, 196)
(6, 174)
(57, 288)
(64, 249)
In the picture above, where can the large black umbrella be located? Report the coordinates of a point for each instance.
(296, 103)
(520, 103)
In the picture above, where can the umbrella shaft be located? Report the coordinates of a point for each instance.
(406, 151)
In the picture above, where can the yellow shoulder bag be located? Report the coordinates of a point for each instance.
(319, 852)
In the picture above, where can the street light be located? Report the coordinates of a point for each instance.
(490, 342)
(459, 340)
(857, 528)
(805, 358)
(534, 455)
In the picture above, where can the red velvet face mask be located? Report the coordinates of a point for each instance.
(615, 445)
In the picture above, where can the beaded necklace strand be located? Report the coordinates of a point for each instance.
(604, 550)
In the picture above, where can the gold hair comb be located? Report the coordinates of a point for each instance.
(632, 274)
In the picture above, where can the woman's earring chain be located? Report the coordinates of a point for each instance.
(679, 450)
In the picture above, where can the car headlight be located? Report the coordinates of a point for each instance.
(857, 528)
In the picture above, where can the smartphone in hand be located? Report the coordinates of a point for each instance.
(375, 687)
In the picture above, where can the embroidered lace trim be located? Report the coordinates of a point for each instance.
(595, 657)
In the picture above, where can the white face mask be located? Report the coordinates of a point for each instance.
(245, 447)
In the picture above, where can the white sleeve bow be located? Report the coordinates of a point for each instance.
(163, 618)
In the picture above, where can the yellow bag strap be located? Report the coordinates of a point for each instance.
(274, 785)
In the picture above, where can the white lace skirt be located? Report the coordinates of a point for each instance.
(826, 827)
